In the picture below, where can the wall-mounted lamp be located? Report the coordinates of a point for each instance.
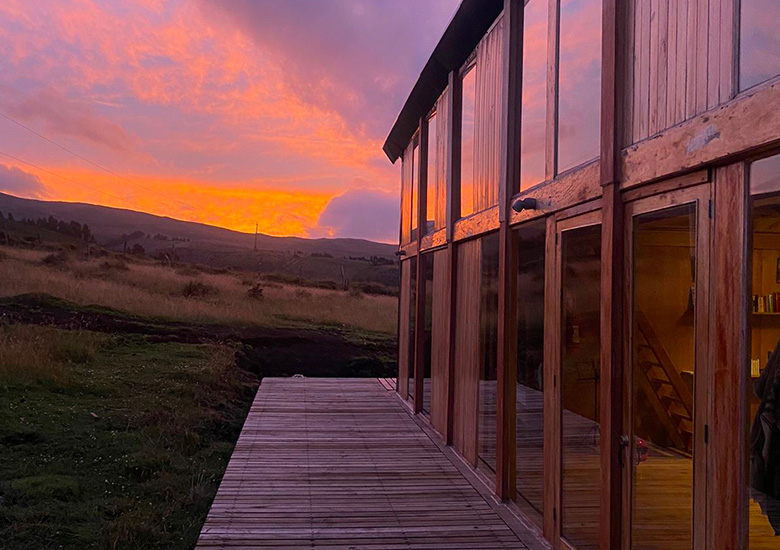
(400, 253)
(524, 204)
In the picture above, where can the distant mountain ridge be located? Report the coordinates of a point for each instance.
(109, 225)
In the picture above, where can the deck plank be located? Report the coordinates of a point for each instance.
(340, 464)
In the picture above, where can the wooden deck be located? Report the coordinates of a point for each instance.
(340, 464)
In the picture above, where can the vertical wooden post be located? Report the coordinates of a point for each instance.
(511, 99)
(419, 305)
(729, 360)
(551, 132)
(613, 81)
(452, 183)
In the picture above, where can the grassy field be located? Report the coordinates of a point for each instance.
(112, 441)
(151, 289)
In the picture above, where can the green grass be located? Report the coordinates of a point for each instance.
(124, 450)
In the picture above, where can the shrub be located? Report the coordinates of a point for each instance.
(188, 271)
(56, 259)
(198, 289)
(375, 289)
(354, 291)
(114, 265)
(303, 294)
(255, 292)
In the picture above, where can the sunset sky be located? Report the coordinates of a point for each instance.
(227, 112)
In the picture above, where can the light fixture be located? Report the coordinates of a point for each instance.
(524, 204)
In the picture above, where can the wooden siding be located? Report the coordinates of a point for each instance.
(681, 55)
(403, 327)
(440, 346)
(467, 298)
(487, 138)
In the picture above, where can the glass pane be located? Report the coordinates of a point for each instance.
(579, 73)
(534, 112)
(427, 328)
(663, 378)
(765, 175)
(764, 372)
(415, 189)
(580, 362)
(412, 310)
(430, 182)
(759, 45)
(530, 366)
(467, 143)
(486, 415)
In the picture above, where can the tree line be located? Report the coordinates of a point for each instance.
(71, 228)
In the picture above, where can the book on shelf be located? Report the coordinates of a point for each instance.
(766, 303)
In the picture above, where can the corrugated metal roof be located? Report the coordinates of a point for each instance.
(466, 29)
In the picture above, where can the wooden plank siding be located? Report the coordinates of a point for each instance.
(466, 335)
(440, 347)
(682, 56)
(340, 464)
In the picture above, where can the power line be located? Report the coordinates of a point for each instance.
(71, 180)
(93, 163)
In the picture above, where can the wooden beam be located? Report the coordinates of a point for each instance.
(729, 359)
(509, 183)
(454, 107)
(552, 355)
(551, 133)
(611, 406)
(716, 136)
(419, 304)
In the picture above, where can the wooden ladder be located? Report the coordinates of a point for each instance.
(668, 394)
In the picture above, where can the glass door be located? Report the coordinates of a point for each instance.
(666, 379)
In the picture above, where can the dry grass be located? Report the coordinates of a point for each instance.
(156, 291)
(30, 354)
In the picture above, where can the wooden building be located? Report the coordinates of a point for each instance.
(590, 246)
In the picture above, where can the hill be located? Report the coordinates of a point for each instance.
(118, 229)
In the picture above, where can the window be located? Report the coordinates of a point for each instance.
(534, 111)
(579, 83)
(411, 326)
(427, 328)
(763, 370)
(468, 112)
(488, 351)
(415, 188)
(759, 42)
(530, 364)
(431, 181)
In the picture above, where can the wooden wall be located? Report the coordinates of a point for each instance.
(440, 345)
(466, 334)
(403, 327)
(679, 64)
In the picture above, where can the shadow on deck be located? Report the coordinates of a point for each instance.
(340, 463)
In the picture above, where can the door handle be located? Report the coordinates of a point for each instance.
(624, 443)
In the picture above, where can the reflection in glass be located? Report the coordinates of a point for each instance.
(486, 416)
(579, 87)
(759, 42)
(427, 328)
(534, 111)
(580, 362)
(431, 187)
(415, 189)
(530, 366)
(468, 114)
(412, 311)
(763, 399)
(663, 380)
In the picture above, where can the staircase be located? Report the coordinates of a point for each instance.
(668, 394)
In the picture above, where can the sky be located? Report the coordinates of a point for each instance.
(227, 112)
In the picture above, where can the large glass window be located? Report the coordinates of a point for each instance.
(580, 368)
(431, 180)
(530, 364)
(412, 319)
(579, 83)
(763, 397)
(467, 120)
(488, 351)
(415, 188)
(759, 43)
(663, 377)
(534, 109)
(427, 328)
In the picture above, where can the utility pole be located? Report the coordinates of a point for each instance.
(255, 235)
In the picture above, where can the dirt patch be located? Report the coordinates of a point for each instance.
(265, 351)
